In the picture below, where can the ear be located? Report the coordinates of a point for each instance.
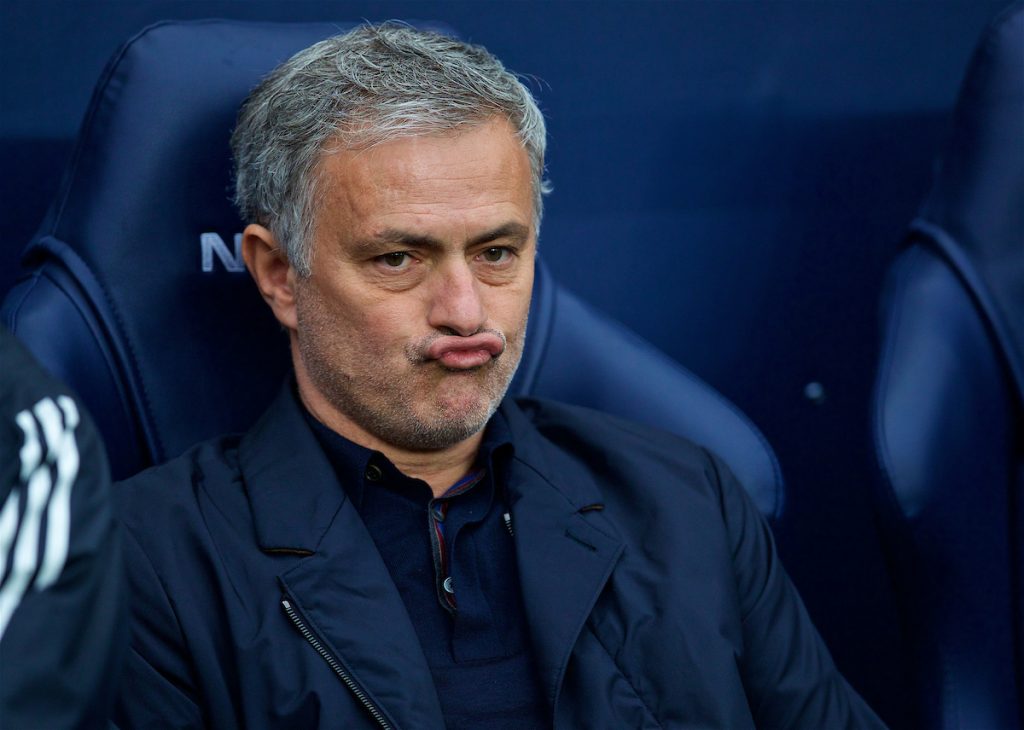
(272, 273)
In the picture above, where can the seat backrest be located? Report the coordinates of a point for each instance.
(947, 410)
(136, 295)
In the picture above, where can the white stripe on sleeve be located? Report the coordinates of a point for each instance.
(58, 514)
(8, 529)
(31, 451)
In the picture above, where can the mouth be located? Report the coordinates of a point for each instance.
(466, 353)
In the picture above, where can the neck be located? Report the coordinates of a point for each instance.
(439, 468)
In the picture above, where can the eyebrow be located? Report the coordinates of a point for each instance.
(398, 237)
(509, 230)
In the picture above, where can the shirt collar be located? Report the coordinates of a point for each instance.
(497, 447)
(356, 465)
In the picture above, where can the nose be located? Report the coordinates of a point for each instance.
(456, 304)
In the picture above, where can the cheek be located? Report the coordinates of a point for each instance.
(510, 307)
(357, 311)
(383, 330)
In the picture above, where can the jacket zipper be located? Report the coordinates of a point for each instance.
(334, 664)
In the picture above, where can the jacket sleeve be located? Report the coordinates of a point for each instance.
(789, 676)
(62, 601)
(157, 690)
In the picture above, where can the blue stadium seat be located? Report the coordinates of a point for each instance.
(137, 298)
(948, 406)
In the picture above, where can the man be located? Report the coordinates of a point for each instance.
(62, 609)
(394, 544)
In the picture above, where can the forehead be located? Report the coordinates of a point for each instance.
(480, 172)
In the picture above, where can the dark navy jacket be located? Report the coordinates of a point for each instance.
(260, 599)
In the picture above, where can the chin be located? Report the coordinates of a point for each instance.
(450, 422)
(467, 404)
(435, 435)
(467, 418)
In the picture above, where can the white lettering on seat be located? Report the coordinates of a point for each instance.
(212, 243)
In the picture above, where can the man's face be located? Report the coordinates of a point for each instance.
(412, 321)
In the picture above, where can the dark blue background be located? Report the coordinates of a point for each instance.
(731, 179)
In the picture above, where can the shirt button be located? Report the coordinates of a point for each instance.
(373, 473)
(438, 513)
(448, 585)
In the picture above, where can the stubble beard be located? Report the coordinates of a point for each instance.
(391, 405)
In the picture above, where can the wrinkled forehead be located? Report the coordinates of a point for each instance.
(478, 175)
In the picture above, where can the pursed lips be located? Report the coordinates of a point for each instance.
(464, 353)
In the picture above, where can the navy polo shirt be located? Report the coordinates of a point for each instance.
(453, 561)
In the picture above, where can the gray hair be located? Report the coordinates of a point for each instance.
(371, 85)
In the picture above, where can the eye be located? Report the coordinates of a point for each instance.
(496, 255)
(395, 259)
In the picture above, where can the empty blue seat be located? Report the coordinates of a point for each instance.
(947, 411)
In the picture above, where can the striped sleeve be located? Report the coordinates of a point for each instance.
(35, 518)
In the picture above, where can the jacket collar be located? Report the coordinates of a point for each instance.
(341, 589)
(291, 486)
(565, 546)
